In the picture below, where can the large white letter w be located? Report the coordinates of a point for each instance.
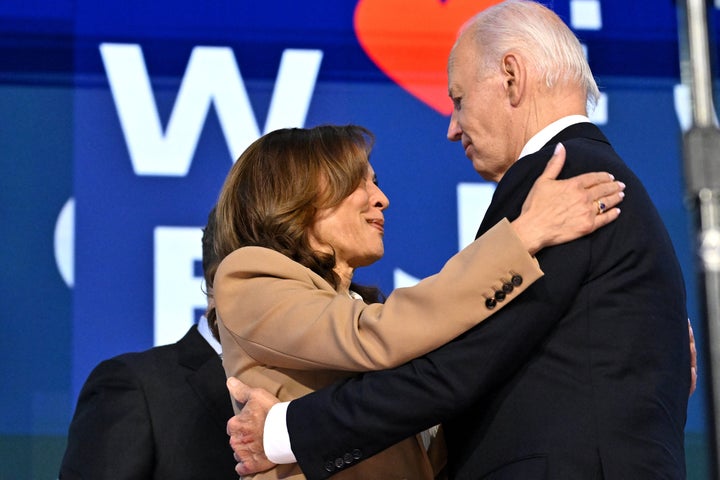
(212, 76)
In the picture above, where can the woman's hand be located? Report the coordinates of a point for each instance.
(558, 211)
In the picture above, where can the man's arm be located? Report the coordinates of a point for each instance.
(110, 435)
(247, 430)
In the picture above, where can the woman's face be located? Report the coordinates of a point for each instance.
(353, 229)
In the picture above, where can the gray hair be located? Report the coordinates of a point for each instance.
(527, 26)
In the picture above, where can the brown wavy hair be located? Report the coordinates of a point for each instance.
(273, 192)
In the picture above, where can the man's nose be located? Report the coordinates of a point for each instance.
(454, 132)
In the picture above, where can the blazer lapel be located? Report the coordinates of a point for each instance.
(207, 377)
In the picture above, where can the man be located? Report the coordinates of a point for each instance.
(158, 414)
(585, 376)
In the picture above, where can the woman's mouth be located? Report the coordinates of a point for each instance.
(378, 223)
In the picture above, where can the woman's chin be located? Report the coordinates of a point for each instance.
(368, 260)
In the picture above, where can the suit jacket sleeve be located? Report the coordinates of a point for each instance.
(110, 433)
(260, 292)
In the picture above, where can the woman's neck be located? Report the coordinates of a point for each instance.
(345, 273)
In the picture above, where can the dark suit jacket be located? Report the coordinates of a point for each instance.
(584, 376)
(158, 414)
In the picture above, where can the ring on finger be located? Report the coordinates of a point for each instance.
(600, 207)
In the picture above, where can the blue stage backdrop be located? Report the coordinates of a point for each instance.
(120, 121)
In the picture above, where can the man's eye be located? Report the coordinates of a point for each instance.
(456, 103)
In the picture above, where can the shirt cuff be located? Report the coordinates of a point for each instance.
(276, 438)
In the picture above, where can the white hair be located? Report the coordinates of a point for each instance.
(529, 27)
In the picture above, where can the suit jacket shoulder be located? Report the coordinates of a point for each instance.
(155, 414)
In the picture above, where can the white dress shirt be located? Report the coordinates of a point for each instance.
(204, 330)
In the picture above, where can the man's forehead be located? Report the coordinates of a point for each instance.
(462, 55)
(460, 60)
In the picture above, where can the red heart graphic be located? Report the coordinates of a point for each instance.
(410, 42)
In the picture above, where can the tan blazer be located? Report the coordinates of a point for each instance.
(285, 329)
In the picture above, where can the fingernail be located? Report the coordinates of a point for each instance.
(622, 185)
(622, 194)
(557, 148)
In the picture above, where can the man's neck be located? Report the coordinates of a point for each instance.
(550, 105)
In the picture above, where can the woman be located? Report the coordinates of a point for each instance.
(301, 210)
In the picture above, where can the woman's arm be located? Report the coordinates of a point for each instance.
(282, 314)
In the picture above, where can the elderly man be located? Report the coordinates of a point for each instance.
(585, 376)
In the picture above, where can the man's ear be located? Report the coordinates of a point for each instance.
(514, 75)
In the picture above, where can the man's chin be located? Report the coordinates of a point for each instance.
(480, 167)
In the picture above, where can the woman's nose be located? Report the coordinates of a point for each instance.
(379, 199)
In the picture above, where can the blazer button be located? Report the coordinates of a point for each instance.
(499, 295)
(357, 454)
(339, 463)
(507, 287)
(490, 303)
(329, 466)
(348, 458)
(516, 280)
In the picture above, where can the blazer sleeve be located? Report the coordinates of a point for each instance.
(110, 434)
(259, 292)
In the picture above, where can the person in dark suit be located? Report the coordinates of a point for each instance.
(158, 414)
(584, 376)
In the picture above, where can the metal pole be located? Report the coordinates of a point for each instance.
(702, 177)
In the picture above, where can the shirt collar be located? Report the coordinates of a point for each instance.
(543, 136)
(204, 330)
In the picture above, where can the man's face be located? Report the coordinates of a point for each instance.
(481, 117)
